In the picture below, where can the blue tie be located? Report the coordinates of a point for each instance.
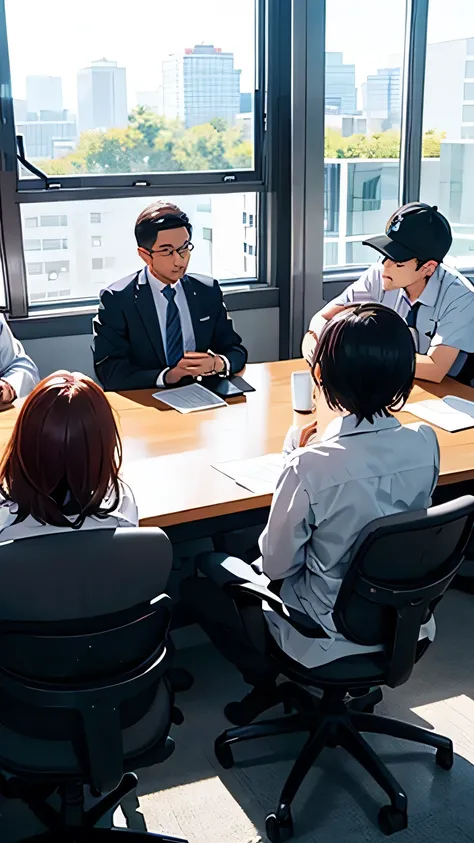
(174, 335)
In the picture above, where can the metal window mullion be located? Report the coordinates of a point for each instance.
(309, 18)
(411, 140)
(12, 242)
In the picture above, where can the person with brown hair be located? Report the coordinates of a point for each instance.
(161, 326)
(61, 467)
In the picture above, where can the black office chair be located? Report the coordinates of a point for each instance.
(84, 653)
(400, 568)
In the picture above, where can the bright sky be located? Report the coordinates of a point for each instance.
(54, 38)
(49, 37)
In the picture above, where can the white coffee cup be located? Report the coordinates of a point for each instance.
(302, 392)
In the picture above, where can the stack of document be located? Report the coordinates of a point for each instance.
(189, 399)
(449, 413)
(259, 474)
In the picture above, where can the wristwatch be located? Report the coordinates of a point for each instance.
(213, 370)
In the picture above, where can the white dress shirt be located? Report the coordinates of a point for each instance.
(125, 515)
(187, 330)
(446, 315)
(328, 492)
(15, 366)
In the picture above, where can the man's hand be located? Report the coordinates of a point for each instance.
(7, 393)
(193, 364)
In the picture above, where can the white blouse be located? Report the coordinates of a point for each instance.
(125, 515)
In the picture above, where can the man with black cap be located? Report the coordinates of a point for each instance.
(435, 300)
(160, 326)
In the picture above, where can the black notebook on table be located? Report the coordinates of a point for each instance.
(227, 387)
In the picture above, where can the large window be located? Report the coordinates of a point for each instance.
(93, 97)
(447, 179)
(98, 253)
(363, 100)
(100, 124)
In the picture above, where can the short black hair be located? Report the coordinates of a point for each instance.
(366, 355)
(147, 228)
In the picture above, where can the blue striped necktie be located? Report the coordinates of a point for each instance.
(174, 334)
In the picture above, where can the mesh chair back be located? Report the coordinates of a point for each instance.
(400, 567)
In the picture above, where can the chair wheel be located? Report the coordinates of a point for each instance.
(278, 830)
(392, 819)
(177, 716)
(224, 755)
(445, 757)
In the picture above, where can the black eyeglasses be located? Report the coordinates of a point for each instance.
(167, 252)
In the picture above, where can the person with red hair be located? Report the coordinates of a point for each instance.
(61, 467)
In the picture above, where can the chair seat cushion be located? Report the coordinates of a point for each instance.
(369, 667)
(24, 755)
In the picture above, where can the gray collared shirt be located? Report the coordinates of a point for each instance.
(446, 315)
(328, 492)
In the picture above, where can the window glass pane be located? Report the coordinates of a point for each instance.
(105, 101)
(362, 124)
(469, 91)
(219, 236)
(32, 245)
(53, 220)
(54, 244)
(34, 268)
(31, 222)
(447, 175)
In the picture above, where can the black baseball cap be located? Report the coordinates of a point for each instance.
(416, 230)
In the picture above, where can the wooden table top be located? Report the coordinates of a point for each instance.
(168, 456)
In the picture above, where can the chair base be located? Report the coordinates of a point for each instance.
(333, 722)
(71, 822)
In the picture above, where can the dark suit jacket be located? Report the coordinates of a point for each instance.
(128, 347)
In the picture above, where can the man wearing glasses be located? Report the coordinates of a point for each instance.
(160, 326)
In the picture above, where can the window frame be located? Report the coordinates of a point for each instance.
(15, 191)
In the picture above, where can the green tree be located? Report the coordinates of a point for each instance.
(219, 124)
(432, 143)
(201, 148)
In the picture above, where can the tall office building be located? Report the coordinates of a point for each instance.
(201, 85)
(448, 104)
(102, 96)
(341, 95)
(47, 138)
(44, 93)
(382, 99)
(449, 88)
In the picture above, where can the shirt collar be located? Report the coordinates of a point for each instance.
(347, 426)
(146, 277)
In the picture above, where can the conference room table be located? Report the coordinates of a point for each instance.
(168, 457)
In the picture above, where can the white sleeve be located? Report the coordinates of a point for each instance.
(289, 527)
(454, 328)
(367, 288)
(128, 510)
(160, 381)
(15, 366)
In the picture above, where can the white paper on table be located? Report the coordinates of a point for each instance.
(258, 474)
(445, 415)
(189, 399)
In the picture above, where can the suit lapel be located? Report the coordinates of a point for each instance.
(189, 286)
(145, 305)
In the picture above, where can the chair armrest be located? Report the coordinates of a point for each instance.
(298, 620)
